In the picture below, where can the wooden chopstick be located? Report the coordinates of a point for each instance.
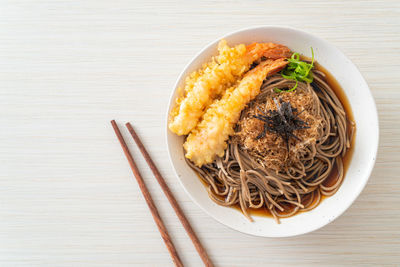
(156, 216)
(196, 242)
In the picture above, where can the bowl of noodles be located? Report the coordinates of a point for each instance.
(272, 131)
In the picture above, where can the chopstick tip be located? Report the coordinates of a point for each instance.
(130, 127)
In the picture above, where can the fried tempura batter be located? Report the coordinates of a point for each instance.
(209, 138)
(204, 86)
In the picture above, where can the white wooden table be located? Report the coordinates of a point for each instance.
(67, 197)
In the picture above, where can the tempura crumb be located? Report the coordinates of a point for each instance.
(271, 150)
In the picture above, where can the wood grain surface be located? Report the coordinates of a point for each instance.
(67, 68)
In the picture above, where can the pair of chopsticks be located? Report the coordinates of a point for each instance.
(154, 212)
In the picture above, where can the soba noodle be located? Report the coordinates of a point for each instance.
(238, 179)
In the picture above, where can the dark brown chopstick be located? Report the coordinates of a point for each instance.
(156, 216)
(196, 242)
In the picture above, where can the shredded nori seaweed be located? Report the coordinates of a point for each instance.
(281, 121)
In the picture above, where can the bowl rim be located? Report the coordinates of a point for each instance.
(370, 166)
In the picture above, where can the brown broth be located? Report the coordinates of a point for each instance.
(334, 84)
(333, 176)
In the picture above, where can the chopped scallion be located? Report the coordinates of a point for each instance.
(297, 70)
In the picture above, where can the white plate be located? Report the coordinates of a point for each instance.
(366, 144)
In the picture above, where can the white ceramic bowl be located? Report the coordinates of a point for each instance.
(366, 144)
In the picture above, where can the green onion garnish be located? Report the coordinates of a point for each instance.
(297, 70)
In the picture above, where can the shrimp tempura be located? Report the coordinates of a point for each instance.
(204, 86)
(209, 138)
